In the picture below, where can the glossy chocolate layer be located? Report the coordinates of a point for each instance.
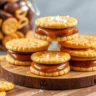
(53, 33)
(20, 55)
(84, 64)
(49, 68)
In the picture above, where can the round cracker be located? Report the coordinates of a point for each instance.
(81, 69)
(6, 86)
(80, 42)
(80, 53)
(27, 45)
(82, 58)
(3, 93)
(50, 57)
(10, 26)
(65, 38)
(53, 74)
(17, 62)
(56, 22)
(9, 37)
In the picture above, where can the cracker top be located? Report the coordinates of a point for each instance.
(80, 53)
(56, 22)
(27, 45)
(50, 57)
(80, 42)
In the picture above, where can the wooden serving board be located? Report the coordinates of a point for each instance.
(21, 75)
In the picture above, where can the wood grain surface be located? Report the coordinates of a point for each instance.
(21, 75)
(24, 91)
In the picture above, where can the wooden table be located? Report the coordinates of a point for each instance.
(22, 91)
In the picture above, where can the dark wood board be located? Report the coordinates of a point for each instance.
(21, 75)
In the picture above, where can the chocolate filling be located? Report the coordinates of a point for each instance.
(21, 56)
(49, 68)
(84, 64)
(54, 33)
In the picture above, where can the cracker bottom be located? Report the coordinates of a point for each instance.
(82, 69)
(16, 62)
(58, 73)
(3, 93)
(57, 39)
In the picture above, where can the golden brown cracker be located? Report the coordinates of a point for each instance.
(80, 53)
(27, 45)
(53, 74)
(50, 57)
(6, 86)
(10, 26)
(90, 69)
(3, 93)
(82, 58)
(65, 38)
(80, 42)
(9, 37)
(17, 62)
(56, 22)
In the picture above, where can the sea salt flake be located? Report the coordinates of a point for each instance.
(59, 19)
(57, 56)
(48, 55)
(65, 20)
(51, 18)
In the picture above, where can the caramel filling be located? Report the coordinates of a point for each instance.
(21, 56)
(54, 33)
(74, 49)
(49, 68)
(84, 64)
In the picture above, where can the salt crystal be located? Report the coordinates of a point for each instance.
(65, 20)
(57, 56)
(59, 19)
(51, 18)
(48, 55)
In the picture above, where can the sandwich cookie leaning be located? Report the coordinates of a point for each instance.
(56, 28)
(83, 54)
(50, 63)
(20, 50)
